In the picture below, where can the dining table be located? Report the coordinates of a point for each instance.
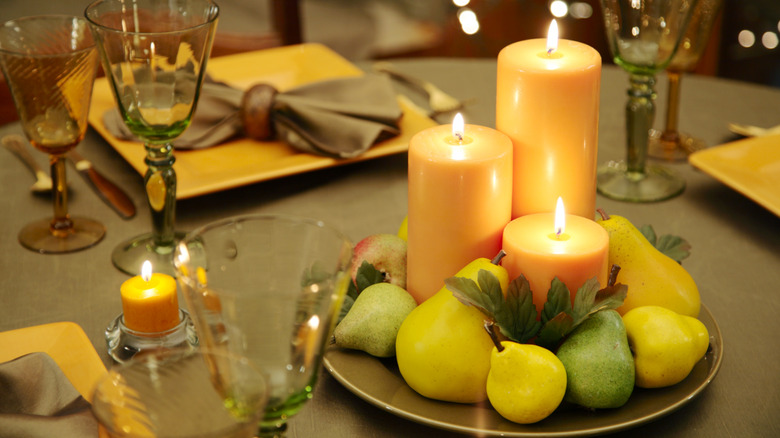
(734, 257)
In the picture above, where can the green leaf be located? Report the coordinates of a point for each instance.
(649, 233)
(611, 297)
(555, 330)
(491, 290)
(367, 275)
(515, 314)
(468, 292)
(519, 322)
(583, 301)
(558, 300)
(675, 247)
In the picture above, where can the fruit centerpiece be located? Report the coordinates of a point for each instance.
(480, 339)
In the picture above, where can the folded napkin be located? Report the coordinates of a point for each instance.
(339, 118)
(37, 400)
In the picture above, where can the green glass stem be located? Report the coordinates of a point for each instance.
(272, 432)
(160, 183)
(640, 113)
(61, 224)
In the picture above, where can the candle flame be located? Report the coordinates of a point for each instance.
(552, 38)
(560, 217)
(458, 126)
(146, 270)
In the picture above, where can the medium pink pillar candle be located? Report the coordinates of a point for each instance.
(533, 248)
(548, 104)
(460, 198)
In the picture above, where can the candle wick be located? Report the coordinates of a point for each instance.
(460, 136)
(558, 232)
(550, 51)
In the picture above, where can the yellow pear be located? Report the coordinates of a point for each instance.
(442, 349)
(526, 382)
(666, 345)
(652, 277)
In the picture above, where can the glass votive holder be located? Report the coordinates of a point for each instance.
(124, 343)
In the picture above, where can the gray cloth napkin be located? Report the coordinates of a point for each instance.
(38, 401)
(339, 118)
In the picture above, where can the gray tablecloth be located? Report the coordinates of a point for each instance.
(735, 259)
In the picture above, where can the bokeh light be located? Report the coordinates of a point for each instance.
(769, 40)
(559, 8)
(746, 38)
(468, 21)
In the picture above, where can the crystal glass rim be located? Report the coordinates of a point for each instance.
(192, 235)
(177, 354)
(50, 17)
(214, 9)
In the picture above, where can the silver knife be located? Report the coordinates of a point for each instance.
(107, 190)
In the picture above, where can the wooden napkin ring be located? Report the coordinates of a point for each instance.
(255, 111)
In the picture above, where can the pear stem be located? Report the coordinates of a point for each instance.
(490, 329)
(613, 273)
(497, 259)
(604, 215)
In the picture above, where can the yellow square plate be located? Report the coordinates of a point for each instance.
(66, 343)
(750, 166)
(244, 161)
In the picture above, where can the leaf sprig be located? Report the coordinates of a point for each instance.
(367, 275)
(675, 247)
(516, 315)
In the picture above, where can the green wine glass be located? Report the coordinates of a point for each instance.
(174, 393)
(154, 55)
(268, 287)
(643, 36)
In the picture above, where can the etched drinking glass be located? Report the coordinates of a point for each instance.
(269, 288)
(181, 394)
(49, 63)
(643, 36)
(671, 143)
(154, 55)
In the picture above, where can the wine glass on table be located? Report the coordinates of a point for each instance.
(49, 63)
(154, 55)
(269, 288)
(643, 36)
(178, 393)
(670, 143)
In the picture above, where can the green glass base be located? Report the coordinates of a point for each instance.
(131, 254)
(37, 236)
(655, 184)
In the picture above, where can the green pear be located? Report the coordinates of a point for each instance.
(372, 324)
(598, 361)
(652, 277)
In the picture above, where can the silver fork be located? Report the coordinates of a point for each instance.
(439, 101)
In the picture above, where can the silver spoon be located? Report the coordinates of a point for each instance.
(16, 144)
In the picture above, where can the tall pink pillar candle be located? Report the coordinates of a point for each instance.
(460, 197)
(548, 104)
